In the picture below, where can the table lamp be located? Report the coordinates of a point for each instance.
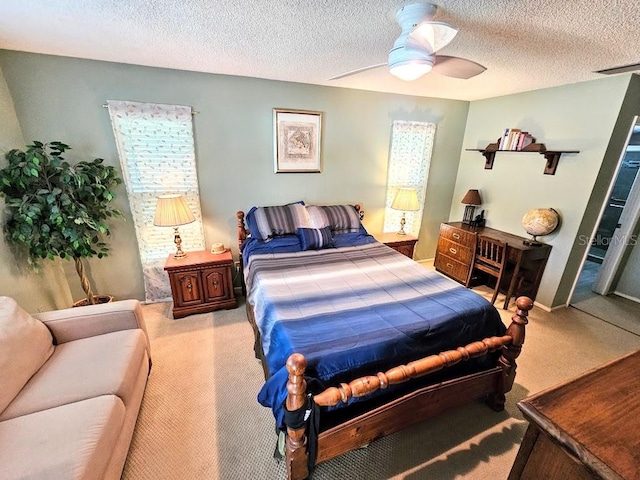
(471, 200)
(406, 200)
(173, 211)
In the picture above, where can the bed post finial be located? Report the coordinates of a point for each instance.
(242, 230)
(296, 445)
(242, 236)
(511, 351)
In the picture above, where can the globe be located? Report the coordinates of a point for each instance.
(538, 222)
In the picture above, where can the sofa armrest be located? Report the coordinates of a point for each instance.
(82, 322)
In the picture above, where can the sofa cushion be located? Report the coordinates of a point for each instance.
(25, 345)
(73, 441)
(84, 368)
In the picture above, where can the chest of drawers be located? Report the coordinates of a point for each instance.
(525, 263)
(455, 252)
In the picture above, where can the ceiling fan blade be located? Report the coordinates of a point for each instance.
(363, 69)
(457, 67)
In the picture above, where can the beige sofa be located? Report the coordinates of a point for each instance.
(71, 384)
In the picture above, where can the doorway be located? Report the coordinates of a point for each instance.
(603, 262)
(606, 232)
(617, 200)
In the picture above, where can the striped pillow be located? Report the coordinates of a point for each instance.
(315, 238)
(317, 217)
(342, 218)
(267, 222)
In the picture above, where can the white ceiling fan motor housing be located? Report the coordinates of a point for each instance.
(413, 51)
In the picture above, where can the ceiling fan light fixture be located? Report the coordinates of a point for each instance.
(411, 69)
(409, 64)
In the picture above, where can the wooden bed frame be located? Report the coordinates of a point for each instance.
(415, 407)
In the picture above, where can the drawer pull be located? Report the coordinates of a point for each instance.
(456, 235)
(453, 250)
(449, 265)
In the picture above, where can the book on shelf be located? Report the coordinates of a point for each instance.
(514, 139)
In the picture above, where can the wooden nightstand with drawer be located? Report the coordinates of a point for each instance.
(201, 282)
(403, 244)
(455, 251)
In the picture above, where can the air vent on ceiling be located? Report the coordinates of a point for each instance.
(621, 69)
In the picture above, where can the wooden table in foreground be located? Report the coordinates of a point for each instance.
(586, 428)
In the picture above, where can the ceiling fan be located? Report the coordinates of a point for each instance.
(414, 51)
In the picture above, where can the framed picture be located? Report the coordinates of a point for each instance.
(296, 142)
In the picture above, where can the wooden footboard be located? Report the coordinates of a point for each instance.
(410, 409)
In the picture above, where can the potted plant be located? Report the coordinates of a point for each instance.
(55, 209)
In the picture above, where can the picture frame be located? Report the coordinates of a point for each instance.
(297, 136)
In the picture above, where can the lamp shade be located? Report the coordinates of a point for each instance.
(171, 211)
(472, 198)
(406, 200)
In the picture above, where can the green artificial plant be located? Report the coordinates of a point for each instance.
(55, 209)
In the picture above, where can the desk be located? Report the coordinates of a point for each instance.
(586, 428)
(526, 263)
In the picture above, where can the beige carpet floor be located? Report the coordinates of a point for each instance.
(200, 418)
(614, 309)
(611, 308)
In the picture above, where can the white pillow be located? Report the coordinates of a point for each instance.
(25, 345)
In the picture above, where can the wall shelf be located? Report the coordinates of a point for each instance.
(551, 156)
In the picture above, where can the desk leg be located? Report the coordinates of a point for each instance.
(512, 285)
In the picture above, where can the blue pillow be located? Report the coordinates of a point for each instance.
(315, 238)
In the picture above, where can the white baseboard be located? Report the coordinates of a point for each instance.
(628, 297)
(548, 309)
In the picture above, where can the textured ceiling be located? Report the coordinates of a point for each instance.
(525, 45)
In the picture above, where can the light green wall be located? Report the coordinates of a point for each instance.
(59, 98)
(28, 287)
(10, 133)
(572, 117)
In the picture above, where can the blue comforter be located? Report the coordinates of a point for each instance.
(354, 311)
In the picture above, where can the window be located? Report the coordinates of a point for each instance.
(155, 146)
(409, 159)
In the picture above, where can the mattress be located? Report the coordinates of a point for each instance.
(355, 310)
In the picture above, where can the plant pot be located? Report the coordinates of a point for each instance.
(97, 298)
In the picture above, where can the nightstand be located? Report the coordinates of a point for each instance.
(403, 244)
(200, 282)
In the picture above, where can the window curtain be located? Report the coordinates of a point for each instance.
(156, 150)
(409, 160)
